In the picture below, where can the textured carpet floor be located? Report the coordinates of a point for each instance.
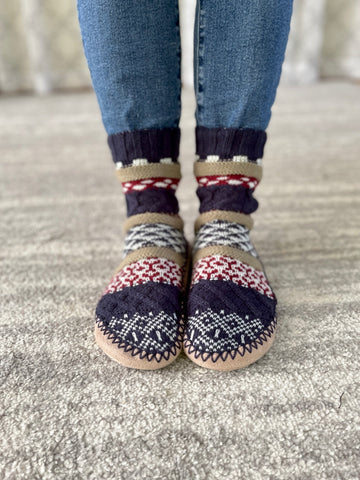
(69, 412)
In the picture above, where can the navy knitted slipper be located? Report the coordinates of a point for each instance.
(231, 307)
(140, 315)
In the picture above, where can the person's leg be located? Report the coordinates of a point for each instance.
(239, 48)
(133, 52)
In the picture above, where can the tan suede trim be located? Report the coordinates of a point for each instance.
(258, 348)
(172, 220)
(126, 358)
(152, 170)
(227, 251)
(203, 169)
(147, 252)
(227, 216)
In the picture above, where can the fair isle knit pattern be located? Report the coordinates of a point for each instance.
(141, 311)
(141, 306)
(154, 235)
(148, 332)
(219, 232)
(235, 180)
(227, 269)
(154, 183)
(231, 306)
(223, 330)
(158, 270)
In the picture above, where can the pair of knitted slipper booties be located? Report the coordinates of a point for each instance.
(212, 300)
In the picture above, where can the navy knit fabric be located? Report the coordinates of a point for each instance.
(227, 142)
(159, 200)
(152, 144)
(226, 197)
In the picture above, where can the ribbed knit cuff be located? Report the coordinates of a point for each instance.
(155, 145)
(227, 142)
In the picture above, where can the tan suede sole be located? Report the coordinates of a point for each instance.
(135, 358)
(234, 360)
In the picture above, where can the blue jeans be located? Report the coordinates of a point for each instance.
(134, 56)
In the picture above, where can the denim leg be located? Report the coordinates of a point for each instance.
(133, 52)
(239, 48)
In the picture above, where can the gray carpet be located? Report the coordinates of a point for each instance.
(69, 412)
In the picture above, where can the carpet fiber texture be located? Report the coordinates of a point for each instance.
(69, 412)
